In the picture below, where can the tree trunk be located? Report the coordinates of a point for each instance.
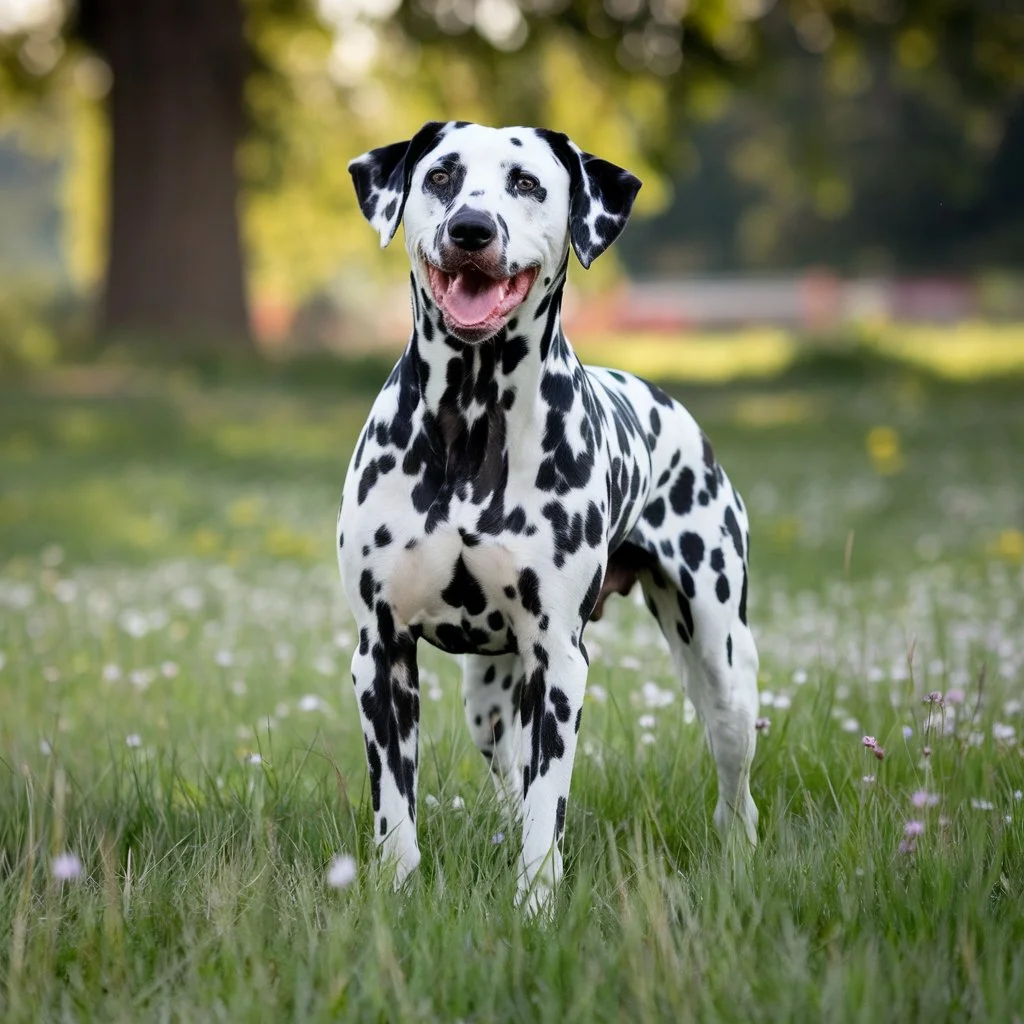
(176, 116)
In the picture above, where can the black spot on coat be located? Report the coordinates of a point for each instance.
(463, 590)
(681, 495)
(529, 591)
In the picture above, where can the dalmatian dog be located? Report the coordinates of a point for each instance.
(500, 491)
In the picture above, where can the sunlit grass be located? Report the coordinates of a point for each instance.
(962, 352)
(969, 351)
(757, 352)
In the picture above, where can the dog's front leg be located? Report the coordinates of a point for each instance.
(551, 706)
(387, 688)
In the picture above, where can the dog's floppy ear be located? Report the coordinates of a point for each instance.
(601, 195)
(381, 178)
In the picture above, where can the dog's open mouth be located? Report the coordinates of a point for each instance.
(475, 302)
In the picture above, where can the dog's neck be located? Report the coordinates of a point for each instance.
(499, 381)
(492, 414)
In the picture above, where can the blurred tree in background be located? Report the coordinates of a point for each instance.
(866, 134)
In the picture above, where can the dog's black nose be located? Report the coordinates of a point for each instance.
(471, 229)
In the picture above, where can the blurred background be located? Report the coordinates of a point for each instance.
(817, 172)
(826, 262)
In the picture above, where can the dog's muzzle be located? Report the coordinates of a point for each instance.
(470, 283)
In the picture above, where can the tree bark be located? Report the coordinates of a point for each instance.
(175, 267)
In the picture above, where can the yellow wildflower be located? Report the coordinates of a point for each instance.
(883, 444)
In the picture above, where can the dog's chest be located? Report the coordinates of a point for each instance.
(461, 596)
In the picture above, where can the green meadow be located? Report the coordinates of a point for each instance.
(181, 762)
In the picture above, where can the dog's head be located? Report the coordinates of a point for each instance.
(488, 211)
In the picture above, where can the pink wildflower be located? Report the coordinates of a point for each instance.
(66, 867)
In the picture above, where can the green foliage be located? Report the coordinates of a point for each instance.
(866, 135)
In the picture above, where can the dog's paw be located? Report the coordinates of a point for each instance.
(397, 868)
(737, 826)
(536, 902)
(537, 884)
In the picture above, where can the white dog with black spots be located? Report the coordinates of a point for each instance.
(500, 491)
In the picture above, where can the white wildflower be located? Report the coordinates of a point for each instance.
(134, 623)
(342, 871)
(190, 598)
(141, 677)
(654, 696)
(324, 664)
(52, 555)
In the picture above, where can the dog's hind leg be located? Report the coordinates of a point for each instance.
(714, 653)
(729, 702)
(386, 680)
(491, 687)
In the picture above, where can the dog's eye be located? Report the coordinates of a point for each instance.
(526, 183)
(439, 177)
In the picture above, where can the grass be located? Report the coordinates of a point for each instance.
(966, 351)
(176, 713)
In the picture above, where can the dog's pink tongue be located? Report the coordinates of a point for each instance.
(472, 298)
